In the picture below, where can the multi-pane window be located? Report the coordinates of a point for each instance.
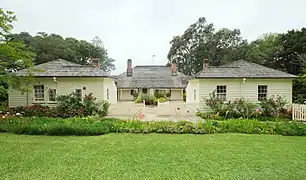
(262, 92)
(52, 94)
(78, 93)
(221, 93)
(132, 92)
(39, 93)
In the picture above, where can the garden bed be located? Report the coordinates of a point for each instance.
(97, 126)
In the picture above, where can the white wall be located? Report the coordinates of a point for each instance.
(126, 95)
(176, 94)
(248, 90)
(66, 85)
(110, 88)
(192, 86)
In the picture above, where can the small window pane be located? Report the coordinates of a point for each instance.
(52, 94)
(262, 92)
(221, 93)
(39, 93)
(78, 93)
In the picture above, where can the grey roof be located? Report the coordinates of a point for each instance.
(151, 77)
(242, 69)
(63, 68)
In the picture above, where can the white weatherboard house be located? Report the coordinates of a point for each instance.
(240, 79)
(149, 79)
(61, 77)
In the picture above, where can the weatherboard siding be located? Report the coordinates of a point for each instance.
(65, 85)
(110, 90)
(236, 88)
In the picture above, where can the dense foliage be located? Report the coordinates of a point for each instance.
(93, 126)
(67, 106)
(274, 106)
(282, 51)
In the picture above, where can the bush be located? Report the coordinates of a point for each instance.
(149, 99)
(138, 100)
(162, 99)
(159, 94)
(97, 126)
(67, 106)
(184, 97)
(241, 108)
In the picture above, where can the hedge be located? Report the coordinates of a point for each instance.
(97, 126)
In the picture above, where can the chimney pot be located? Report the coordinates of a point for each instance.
(95, 62)
(173, 68)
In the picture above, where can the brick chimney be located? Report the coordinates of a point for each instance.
(173, 68)
(205, 63)
(95, 62)
(129, 70)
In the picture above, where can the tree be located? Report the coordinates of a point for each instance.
(201, 40)
(49, 47)
(265, 50)
(13, 55)
(98, 51)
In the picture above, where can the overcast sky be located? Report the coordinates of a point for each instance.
(138, 29)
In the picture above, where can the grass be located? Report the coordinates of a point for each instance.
(153, 156)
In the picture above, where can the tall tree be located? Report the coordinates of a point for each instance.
(201, 40)
(265, 50)
(49, 47)
(13, 55)
(98, 51)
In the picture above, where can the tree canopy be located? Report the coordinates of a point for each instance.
(48, 47)
(201, 40)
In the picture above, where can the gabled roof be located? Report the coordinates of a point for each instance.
(151, 77)
(63, 68)
(242, 69)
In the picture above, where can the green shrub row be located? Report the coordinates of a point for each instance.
(67, 106)
(96, 126)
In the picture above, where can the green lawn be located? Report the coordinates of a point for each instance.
(153, 156)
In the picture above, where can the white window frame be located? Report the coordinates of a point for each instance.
(79, 94)
(263, 92)
(52, 92)
(221, 92)
(39, 93)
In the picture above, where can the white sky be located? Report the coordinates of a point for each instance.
(138, 29)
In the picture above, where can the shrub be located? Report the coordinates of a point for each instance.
(273, 106)
(162, 99)
(149, 99)
(184, 97)
(3, 94)
(69, 106)
(97, 126)
(241, 108)
(138, 100)
(36, 110)
(159, 94)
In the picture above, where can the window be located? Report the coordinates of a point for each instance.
(221, 93)
(52, 94)
(144, 91)
(132, 92)
(194, 94)
(78, 93)
(262, 92)
(39, 92)
(107, 94)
